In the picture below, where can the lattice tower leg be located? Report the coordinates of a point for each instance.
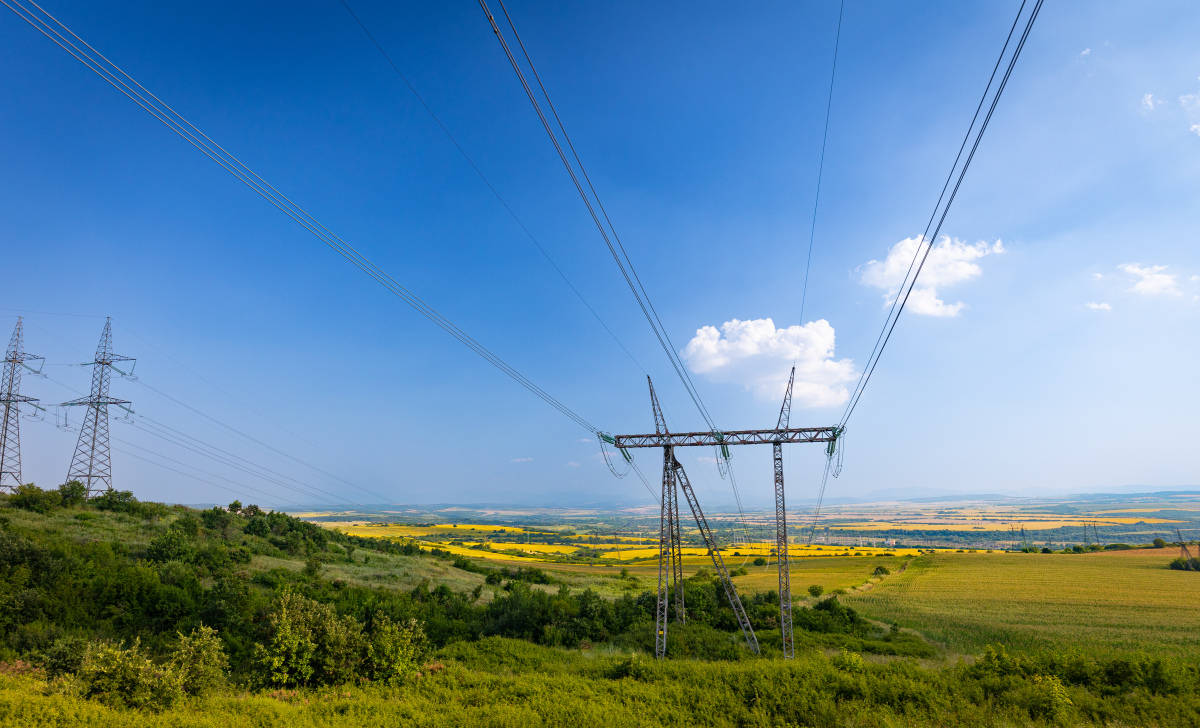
(666, 515)
(781, 557)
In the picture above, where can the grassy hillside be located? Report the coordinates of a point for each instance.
(115, 613)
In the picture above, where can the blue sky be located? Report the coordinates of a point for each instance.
(700, 125)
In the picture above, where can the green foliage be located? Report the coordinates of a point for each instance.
(1182, 564)
(126, 677)
(308, 644)
(881, 571)
(1160, 543)
(72, 493)
(759, 561)
(171, 545)
(32, 498)
(850, 662)
(394, 651)
(816, 590)
(64, 656)
(200, 662)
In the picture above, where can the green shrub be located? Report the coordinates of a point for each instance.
(200, 662)
(171, 545)
(759, 561)
(849, 662)
(65, 656)
(394, 651)
(32, 498)
(881, 570)
(1159, 543)
(72, 493)
(816, 590)
(309, 644)
(125, 677)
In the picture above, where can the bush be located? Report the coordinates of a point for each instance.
(72, 493)
(759, 561)
(170, 545)
(32, 498)
(816, 590)
(127, 678)
(200, 662)
(309, 644)
(1159, 543)
(64, 657)
(881, 571)
(394, 651)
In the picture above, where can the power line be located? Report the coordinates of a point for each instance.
(487, 182)
(613, 242)
(255, 440)
(114, 75)
(190, 442)
(927, 239)
(812, 231)
(224, 457)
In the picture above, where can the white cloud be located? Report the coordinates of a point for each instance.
(758, 355)
(1195, 129)
(1149, 102)
(1085, 52)
(1098, 276)
(1151, 280)
(1195, 278)
(951, 261)
(1189, 101)
(1098, 306)
(521, 460)
(572, 464)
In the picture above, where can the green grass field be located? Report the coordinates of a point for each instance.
(1111, 601)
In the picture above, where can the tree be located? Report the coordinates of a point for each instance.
(72, 493)
(199, 659)
(394, 651)
(309, 644)
(1159, 543)
(234, 507)
(816, 590)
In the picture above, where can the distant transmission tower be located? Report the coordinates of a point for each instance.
(11, 399)
(92, 463)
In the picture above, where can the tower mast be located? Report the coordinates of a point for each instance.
(11, 399)
(92, 462)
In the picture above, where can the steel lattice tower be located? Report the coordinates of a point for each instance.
(92, 462)
(781, 537)
(11, 399)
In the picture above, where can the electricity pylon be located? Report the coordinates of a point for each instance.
(675, 477)
(92, 462)
(781, 539)
(11, 399)
(670, 557)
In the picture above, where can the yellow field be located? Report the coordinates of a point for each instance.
(1005, 523)
(765, 549)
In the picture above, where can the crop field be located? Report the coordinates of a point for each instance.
(999, 523)
(1109, 601)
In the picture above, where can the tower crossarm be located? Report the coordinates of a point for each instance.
(94, 401)
(734, 437)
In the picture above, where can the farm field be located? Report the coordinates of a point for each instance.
(1110, 601)
(1119, 601)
